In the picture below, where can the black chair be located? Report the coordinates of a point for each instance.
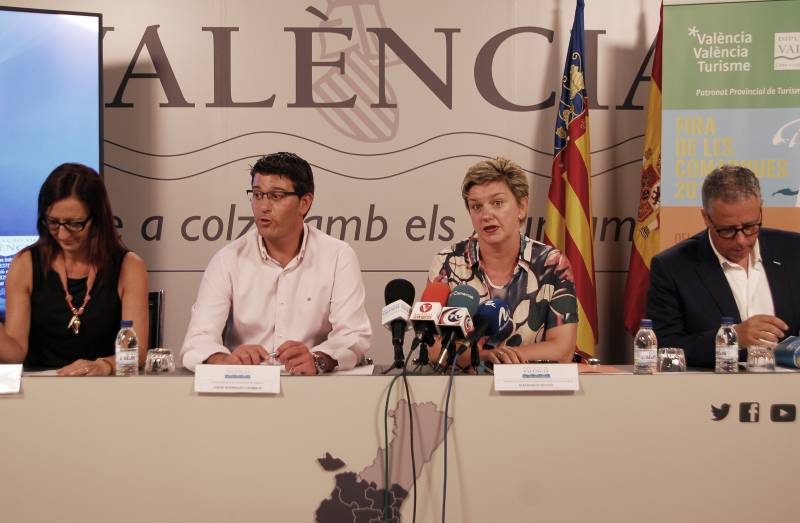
(155, 304)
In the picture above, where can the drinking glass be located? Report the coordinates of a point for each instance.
(671, 359)
(159, 361)
(760, 359)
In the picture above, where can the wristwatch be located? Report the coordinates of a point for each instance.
(320, 363)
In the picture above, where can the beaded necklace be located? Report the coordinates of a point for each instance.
(61, 268)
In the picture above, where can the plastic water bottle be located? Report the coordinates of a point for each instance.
(727, 348)
(127, 350)
(645, 349)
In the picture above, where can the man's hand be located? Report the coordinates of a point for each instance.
(296, 357)
(241, 355)
(762, 330)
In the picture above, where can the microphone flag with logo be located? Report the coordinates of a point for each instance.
(425, 313)
(455, 322)
(490, 318)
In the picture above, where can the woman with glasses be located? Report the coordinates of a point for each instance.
(67, 293)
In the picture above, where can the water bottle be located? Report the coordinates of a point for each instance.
(727, 347)
(645, 349)
(127, 350)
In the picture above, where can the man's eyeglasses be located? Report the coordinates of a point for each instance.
(273, 196)
(728, 233)
(72, 226)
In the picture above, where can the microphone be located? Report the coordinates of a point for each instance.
(505, 328)
(491, 318)
(399, 295)
(425, 313)
(455, 321)
(425, 316)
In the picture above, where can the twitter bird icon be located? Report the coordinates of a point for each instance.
(720, 412)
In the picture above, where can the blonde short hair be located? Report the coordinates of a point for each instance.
(498, 170)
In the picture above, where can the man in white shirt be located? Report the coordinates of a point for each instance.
(284, 290)
(734, 268)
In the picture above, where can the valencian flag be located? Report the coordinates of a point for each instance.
(569, 202)
(646, 233)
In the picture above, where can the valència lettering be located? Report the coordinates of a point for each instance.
(720, 52)
(721, 38)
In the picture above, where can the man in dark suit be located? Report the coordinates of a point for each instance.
(734, 268)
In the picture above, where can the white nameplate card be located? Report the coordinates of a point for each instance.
(536, 377)
(237, 379)
(10, 378)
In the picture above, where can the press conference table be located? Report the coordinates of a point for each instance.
(624, 448)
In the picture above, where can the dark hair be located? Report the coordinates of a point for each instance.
(289, 165)
(729, 183)
(82, 182)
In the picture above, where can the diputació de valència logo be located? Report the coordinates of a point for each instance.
(787, 52)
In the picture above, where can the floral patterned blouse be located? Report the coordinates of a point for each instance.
(540, 295)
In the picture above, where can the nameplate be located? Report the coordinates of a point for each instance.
(10, 378)
(536, 377)
(237, 379)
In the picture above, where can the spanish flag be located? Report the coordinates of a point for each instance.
(569, 202)
(647, 231)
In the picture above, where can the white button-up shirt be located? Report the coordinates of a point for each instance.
(749, 286)
(318, 299)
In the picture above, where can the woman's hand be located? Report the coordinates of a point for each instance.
(501, 354)
(98, 367)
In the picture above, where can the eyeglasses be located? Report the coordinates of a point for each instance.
(72, 226)
(273, 196)
(748, 229)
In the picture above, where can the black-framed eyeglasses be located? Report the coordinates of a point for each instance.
(273, 196)
(72, 225)
(748, 229)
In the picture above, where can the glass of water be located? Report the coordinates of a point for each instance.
(760, 359)
(671, 359)
(159, 361)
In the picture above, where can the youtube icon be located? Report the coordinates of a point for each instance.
(783, 412)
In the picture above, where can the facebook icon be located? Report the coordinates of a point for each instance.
(748, 412)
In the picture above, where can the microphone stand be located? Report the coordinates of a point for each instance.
(475, 361)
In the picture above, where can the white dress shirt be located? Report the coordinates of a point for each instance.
(749, 286)
(318, 299)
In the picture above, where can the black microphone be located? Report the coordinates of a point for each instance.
(455, 322)
(399, 295)
(491, 318)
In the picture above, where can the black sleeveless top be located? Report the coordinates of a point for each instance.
(50, 342)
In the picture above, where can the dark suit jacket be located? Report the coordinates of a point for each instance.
(689, 293)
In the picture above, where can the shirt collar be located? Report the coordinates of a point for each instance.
(262, 248)
(754, 261)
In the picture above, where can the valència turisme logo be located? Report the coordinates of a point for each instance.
(720, 51)
(787, 51)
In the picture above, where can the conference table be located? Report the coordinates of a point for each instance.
(623, 448)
